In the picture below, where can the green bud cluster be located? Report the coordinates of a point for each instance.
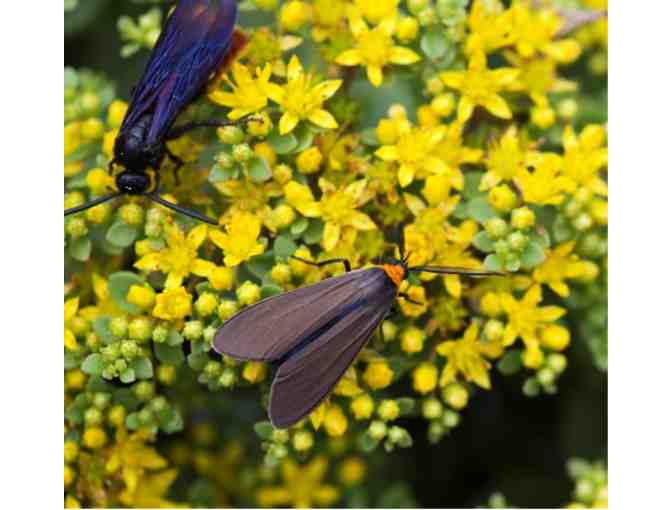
(142, 33)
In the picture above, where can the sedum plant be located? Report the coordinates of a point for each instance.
(469, 126)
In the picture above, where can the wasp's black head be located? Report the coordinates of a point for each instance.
(132, 153)
(133, 183)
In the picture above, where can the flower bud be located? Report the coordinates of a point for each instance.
(412, 340)
(132, 214)
(389, 330)
(226, 309)
(281, 273)
(119, 326)
(456, 396)
(76, 227)
(309, 161)
(248, 293)
(231, 135)
(362, 406)
(160, 334)
(228, 378)
(522, 218)
(493, 330)
(450, 419)
(206, 304)
(193, 330)
(282, 174)
(407, 29)
(140, 329)
(377, 430)
(144, 390)
(517, 241)
(242, 152)
(166, 374)
(93, 416)
(388, 410)
(496, 227)
(302, 441)
(432, 408)
(425, 378)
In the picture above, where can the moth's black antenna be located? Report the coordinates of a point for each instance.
(92, 203)
(187, 212)
(402, 242)
(454, 270)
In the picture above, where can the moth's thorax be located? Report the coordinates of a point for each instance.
(395, 272)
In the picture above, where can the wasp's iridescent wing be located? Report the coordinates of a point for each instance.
(193, 44)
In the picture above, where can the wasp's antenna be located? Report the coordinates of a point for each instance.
(92, 203)
(187, 212)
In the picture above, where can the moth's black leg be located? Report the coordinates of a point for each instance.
(110, 166)
(178, 131)
(408, 298)
(345, 262)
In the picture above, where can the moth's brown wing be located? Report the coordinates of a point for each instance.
(307, 377)
(268, 330)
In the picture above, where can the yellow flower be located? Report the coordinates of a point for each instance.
(377, 10)
(456, 255)
(489, 27)
(454, 153)
(302, 488)
(414, 152)
(70, 310)
(536, 30)
(544, 185)
(465, 356)
(585, 156)
(375, 48)
(151, 492)
(537, 78)
(172, 304)
(294, 15)
(179, 258)
(506, 157)
(337, 207)
(417, 294)
(526, 318)
(302, 99)
(479, 85)
(378, 374)
(347, 385)
(240, 242)
(560, 264)
(132, 458)
(248, 95)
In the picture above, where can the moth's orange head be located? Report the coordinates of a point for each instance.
(396, 273)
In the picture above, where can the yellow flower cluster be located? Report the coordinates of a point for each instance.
(467, 139)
